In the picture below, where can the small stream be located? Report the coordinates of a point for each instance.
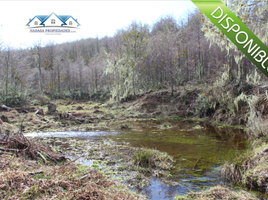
(198, 151)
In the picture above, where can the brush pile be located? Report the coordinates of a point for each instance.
(31, 170)
(18, 144)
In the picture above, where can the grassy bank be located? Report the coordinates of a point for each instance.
(249, 169)
(219, 193)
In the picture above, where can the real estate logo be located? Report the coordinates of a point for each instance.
(53, 24)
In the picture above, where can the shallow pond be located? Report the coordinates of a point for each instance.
(198, 150)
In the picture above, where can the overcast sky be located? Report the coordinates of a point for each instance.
(96, 17)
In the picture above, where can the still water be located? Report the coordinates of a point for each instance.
(198, 150)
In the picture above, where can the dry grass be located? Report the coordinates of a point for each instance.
(249, 168)
(233, 170)
(219, 193)
(31, 170)
(18, 180)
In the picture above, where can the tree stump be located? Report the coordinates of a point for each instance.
(52, 108)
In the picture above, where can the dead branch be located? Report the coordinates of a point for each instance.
(12, 150)
(51, 157)
(43, 158)
(196, 163)
(33, 173)
(73, 160)
(85, 176)
(15, 140)
(26, 139)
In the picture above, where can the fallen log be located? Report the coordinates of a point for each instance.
(7, 108)
(43, 158)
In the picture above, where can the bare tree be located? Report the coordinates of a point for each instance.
(36, 60)
(7, 62)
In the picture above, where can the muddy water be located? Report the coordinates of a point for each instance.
(198, 151)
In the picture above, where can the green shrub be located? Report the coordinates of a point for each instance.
(12, 101)
(152, 158)
(143, 159)
(42, 99)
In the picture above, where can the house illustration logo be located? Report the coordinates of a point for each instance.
(53, 20)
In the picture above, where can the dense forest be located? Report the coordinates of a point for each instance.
(138, 58)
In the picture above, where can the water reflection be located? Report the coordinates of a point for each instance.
(198, 151)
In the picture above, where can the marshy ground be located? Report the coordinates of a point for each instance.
(247, 170)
